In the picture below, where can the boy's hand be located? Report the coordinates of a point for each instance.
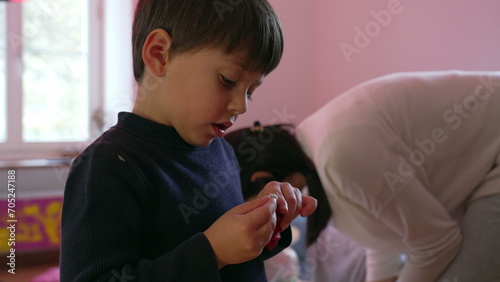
(291, 202)
(241, 233)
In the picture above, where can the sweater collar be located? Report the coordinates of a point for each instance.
(153, 131)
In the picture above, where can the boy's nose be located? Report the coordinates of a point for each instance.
(238, 103)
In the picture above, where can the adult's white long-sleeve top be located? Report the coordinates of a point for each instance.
(400, 157)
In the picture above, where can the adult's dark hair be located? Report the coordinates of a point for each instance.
(275, 149)
(250, 26)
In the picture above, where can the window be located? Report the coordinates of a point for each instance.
(45, 83)
(55, 66)
(3, 73)
(61, 80)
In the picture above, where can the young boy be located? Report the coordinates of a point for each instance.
(157, 197)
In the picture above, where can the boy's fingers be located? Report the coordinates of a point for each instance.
(284, 196)
(309, 205)
(276, 188)
(252, 205)
(261, 215)
(296, 209)
(292, 198)
(298, 196)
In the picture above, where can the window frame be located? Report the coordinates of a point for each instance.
(14, 148)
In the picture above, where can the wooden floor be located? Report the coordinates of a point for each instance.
(28, 266)
(24, 274)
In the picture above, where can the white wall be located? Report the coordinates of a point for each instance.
(118, 76)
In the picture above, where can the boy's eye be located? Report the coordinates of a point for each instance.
(227, 82)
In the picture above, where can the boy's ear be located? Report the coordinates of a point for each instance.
(155, 51)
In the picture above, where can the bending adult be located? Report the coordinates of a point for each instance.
(410, 166)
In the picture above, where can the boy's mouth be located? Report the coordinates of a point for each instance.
(220, 128)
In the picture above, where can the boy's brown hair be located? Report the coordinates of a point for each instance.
(251, 26)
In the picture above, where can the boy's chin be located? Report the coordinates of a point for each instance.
(206, 143)
(200, 142)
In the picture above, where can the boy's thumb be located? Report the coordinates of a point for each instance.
(254, 204)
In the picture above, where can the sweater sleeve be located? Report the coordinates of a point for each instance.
(105, 208)
(382, 264)
(432, 238)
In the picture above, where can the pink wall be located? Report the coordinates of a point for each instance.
(288, 94)
(420, 35)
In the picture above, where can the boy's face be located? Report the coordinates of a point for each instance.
(201, 94)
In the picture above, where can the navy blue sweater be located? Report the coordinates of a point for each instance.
(137, 201)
